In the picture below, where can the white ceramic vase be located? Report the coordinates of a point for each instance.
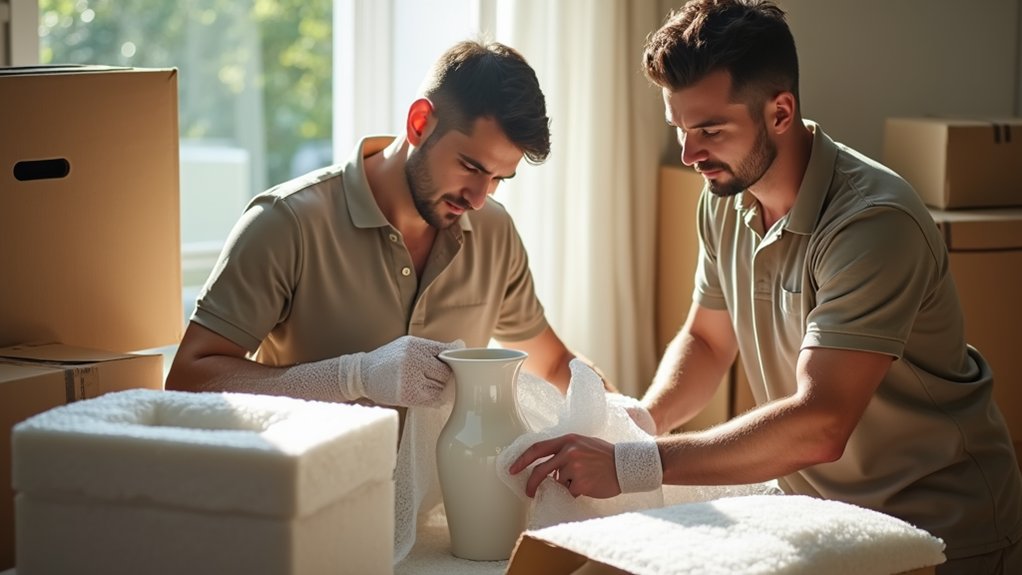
(484, 516)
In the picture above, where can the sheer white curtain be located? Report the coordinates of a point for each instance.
(587, 215)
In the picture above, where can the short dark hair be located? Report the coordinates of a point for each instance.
(472, 80)
(750, 39)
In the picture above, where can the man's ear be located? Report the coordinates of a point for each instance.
(418, 125)
(781, 112)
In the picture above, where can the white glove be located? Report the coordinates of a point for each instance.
(638, 466)
(405, 372)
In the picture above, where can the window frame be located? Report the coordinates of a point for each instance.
(19, 44)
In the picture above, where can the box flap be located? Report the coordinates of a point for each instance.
(973, 230)
(58, 69)
(90, 208)
(59, 354)
(532, 555)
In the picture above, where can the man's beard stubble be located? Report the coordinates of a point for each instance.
(750, 169)
(422, 188)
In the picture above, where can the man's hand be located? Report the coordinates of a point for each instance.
(583, 465)
(405, 372)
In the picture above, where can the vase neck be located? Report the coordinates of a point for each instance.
(486, 385)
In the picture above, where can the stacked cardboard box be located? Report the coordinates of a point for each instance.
(677, 255)
(89, 240)
(959, 166)
(958, 163)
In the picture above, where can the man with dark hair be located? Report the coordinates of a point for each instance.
(826, 272)
(344, 284)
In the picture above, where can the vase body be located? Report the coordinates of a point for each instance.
(484, 516)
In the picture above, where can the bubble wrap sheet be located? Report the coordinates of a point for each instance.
(587, 410)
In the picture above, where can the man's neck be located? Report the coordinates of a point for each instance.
(385, 172)
(777, 190)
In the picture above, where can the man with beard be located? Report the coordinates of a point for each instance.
(344, 284)
(826, 272)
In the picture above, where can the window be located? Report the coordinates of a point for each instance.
(255, 94)
(268, 89)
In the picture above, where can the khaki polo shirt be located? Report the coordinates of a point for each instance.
(858, 264)
(314, 270)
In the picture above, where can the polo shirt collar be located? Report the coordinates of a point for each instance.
(365, 213)
(815, 183)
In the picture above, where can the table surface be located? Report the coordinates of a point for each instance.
(432, 554)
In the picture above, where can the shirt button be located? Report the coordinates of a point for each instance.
(393, 237)
(405, 271)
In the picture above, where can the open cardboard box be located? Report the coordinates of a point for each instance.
(89, 240)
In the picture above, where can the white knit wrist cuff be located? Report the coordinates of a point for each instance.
(638, 466)
(349, 376)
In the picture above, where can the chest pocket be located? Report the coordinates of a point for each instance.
(791, 303)
(790, 325)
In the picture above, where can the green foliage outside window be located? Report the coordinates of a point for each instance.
(254, 73)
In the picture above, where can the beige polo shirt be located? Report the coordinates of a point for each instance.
(314, 270)
(858, 264)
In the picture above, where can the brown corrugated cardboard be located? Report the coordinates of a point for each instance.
(89, 239)
(677, 255)
(986, 261)
(36, 378)
(677, 248)
(89, 216)
(958, 163)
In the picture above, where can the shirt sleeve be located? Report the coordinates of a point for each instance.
(872, 275)
(250, 288)
(521, 313)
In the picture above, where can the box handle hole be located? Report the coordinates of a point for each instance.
(51, 169)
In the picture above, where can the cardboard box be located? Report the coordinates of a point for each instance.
(677, 257)
(957, 163)
(89, 238)
(985, 252)
(89, 209)
(34, 379)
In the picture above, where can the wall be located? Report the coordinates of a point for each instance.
(5, 16)
(19, 43)
(864, 60)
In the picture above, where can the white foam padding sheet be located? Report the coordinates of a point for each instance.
(587, 409)
(77, 535)
(257, 454)
(754, 534)
(170, 471)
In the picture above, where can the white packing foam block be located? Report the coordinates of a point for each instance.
(262, 455)
(352, 535)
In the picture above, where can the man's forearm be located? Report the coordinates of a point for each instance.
(771, 441)
(686, 379)
(316, 381)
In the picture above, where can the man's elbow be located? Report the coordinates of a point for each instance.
(830, 442)
(177, 380)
